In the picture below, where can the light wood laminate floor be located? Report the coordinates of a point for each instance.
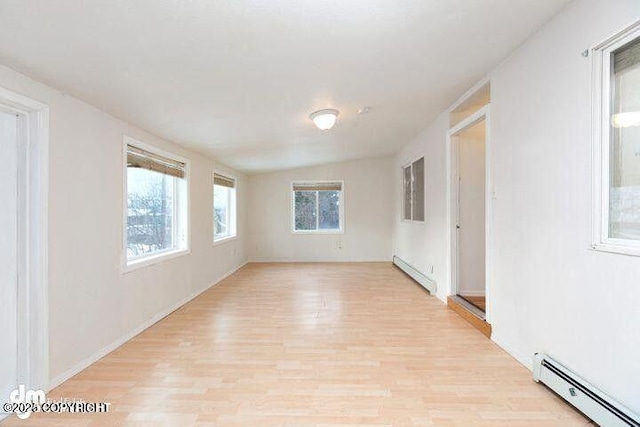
(311, 345)
(478, 301)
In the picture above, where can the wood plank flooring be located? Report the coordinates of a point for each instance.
(470, 317)
(311, 345)
(478, 301)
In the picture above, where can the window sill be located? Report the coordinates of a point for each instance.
(153, 259)
(327, 232)
(616, 249)
(222, 240)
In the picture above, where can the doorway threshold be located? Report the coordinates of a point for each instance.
(469, 312)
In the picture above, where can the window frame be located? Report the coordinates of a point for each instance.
(182, 221)
(341, 211)
(233, 215)
(601, 179)
(412, 191)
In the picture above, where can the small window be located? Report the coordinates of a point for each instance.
(617, 150)
(413, 191)
(406, 207)
(224, 207)
(317, 207)
(156, 216)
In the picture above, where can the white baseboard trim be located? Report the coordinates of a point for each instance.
(525, 361)
(418, 276)
(83, 364)
(310, 261)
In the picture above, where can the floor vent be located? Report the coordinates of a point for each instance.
(426, 282)
(589, 400)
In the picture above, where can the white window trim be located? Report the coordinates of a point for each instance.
(424, 189)
(601, 55)
(317, 231)
(234, 213)
(157, 257)
(222, 240)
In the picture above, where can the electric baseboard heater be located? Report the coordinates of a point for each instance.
(426, 282)
(588, 399)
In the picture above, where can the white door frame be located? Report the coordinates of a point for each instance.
(33, 308)
(453, 203)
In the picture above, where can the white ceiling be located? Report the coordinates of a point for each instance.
(237, 79)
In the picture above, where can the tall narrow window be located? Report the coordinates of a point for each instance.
(407, 193)
(224, 207)
(413, 191)
(624, 197)
(619, 144)
(156, 204)
(317, 207)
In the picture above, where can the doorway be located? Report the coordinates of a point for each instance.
(24, 136)
(469, 206)
(8, 252)
(470, 227)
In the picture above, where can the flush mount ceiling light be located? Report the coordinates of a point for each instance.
(325, 119)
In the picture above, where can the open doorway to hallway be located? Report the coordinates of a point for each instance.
(470, 227)
(468, 142)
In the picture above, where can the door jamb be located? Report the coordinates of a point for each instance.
(453, 208)
(33, 309)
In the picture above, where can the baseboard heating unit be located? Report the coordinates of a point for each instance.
(426, 282)
(588, 399)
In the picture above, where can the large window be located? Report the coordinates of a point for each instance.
(413, 191)
(156, 214)
(224, 207)
(617, 148)
(317, 207)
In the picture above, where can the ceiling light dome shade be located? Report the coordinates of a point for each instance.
(325, 119)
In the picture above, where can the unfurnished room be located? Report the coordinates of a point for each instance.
(321, 213)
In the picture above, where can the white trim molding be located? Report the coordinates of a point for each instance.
(524, 360)
(601, 118)
(483, 113)
(33, 182)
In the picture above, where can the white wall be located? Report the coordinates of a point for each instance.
(368, 200)
(92, 304)
(423, 244)
(550, 292)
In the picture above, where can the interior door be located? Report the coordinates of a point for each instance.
(8, 254)
(471, 214)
